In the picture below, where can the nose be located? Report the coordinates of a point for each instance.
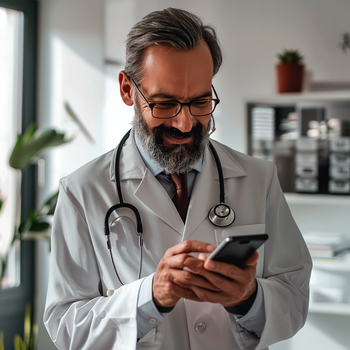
(184, 121)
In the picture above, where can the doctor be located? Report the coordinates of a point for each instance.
(180, 301)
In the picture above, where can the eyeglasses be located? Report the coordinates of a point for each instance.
(198, 107)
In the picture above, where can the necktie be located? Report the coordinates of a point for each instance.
(181, 197)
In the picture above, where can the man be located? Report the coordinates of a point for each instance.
(181, 301)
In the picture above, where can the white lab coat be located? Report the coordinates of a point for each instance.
(78, 317)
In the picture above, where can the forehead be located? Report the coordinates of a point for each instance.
(175, 71)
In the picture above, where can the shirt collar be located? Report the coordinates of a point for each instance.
(153, 166)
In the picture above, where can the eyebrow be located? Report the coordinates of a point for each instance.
(173, 98)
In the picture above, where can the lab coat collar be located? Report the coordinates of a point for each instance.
(149, 191)
(133, 167)
(205, 193)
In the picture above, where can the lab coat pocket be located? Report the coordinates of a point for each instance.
(147, 341)
(223, 233)
(153, 339)
(245, 230)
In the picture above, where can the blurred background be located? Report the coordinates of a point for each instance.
(59, 65)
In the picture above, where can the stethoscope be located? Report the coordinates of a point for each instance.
(220, 215)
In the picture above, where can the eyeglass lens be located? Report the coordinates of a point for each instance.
(171, 109)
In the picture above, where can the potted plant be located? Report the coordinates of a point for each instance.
(290, 71)
(26, 151)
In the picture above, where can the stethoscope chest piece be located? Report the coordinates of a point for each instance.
(221, 215)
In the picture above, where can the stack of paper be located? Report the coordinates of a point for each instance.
(263, 123)
(326, 244)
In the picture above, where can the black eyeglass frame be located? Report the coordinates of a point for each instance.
(152, 105)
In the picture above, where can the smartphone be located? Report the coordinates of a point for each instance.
(236, 250)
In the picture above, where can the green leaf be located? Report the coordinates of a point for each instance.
(39, 226)
(27, 324)
(19, 343)
(29, 132)
(49, 206)
(290, 56)
(21, 226)
(3, 262)
(2, 201)
(30, 145)
(2, 341)
(32, 216)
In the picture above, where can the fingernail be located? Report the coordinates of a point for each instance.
(211, 264)
(210, 247)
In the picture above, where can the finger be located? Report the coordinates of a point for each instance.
(190, 279)
(202, 257)
(176, 262)
(252, 260)
(193, 264)
(207, 295)
(185, 277)
(229, 271)
(167, 294)
(185, 292)
(190, 246)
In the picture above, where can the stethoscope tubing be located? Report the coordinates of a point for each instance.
(214, 218)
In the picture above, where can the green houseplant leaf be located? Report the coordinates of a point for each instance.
(49, 206)
(290, 56)
(31, 143)
(27, 325)
(19, 343)
(2, 341)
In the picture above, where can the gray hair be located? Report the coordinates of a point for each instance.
(175, 27)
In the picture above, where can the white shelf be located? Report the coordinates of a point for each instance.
(286, 98)
(317, 199)
(330, 308)
(343, 266)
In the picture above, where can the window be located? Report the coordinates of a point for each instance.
(11, 62)
(22, 90)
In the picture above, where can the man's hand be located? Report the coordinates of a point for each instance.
(233, 285)
(166, 292)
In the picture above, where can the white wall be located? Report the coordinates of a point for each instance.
(252, 33)
(71, 68)
(76, 36)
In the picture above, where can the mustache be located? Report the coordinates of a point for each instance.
(162, 130)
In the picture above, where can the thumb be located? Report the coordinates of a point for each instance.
(251, 261)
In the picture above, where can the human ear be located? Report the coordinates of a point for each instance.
(126, 89)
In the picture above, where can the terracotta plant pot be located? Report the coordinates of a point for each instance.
(290, 77)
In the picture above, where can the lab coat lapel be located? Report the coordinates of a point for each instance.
(149, 191)
(154, 196)
(206, 190)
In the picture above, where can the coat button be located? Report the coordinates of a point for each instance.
(110, 292)
(200, 327)
(152, 320)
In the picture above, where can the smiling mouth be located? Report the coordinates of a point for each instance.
(179, 140)
(172, 137)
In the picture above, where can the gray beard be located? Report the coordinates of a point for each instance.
(177, 159)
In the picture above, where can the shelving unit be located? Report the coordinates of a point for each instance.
(300, 97)
(307, 208)
(316, 212)
(343, 266)
(317, 199)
